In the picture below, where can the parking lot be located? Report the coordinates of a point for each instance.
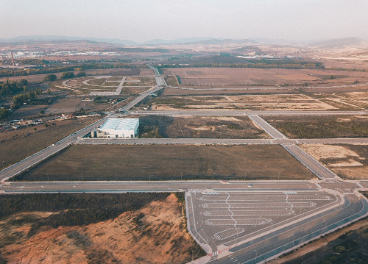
(228, 218)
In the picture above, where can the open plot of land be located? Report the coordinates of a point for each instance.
(321, 126)
(348, 245)
(165, 162)
(347, 161)
(228, 91)
(227, 77)
(199, 127)
(95, 228)
(100, 84)
(17, 145)
(73, 104)
(251, 102)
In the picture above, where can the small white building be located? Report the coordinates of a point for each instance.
(118, 128)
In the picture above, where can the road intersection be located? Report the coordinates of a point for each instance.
(234, 221)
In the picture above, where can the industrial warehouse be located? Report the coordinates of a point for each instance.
(117, 128)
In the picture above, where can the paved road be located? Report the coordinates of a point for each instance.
(245, 112)
(273, 132)
(307, 160)
(151, 186)
(45, 153)
(220, 141)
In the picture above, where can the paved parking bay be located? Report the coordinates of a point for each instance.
(227, 218)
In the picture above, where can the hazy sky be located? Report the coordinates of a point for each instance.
(142, 20)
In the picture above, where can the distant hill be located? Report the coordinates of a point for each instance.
(21, 39)
(339, 43)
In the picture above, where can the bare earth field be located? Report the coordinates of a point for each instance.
(228, 91)
(167, 162)
(95, 228)
(320, 126)
(19, 144)
(251, 102)
(347, 161)
(227, 77)
(199, 127)
(72, 104)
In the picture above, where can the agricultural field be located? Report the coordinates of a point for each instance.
(246, 102)
(321, 126)
(95, 228)
(199, 127)
(19, 144)
(228, 77)
(347, 161)
(168, 162)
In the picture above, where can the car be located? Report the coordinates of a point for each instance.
(250, 185)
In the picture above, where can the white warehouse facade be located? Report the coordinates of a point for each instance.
(118, 128)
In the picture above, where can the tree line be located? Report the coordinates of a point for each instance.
(33, 71)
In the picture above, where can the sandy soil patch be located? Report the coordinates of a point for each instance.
(348, 163)
(154, 234)
(320, 151)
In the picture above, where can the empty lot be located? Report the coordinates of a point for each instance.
(321, 126)
(347, 161)
(199, 127)
(18, 144)
(227, 77)
(248, 102)
(165, 162)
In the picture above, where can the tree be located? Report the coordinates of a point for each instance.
(4, 113)
(81, 74)
(50, 78)
(66, 75)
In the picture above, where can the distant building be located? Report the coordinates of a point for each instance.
(118, 128)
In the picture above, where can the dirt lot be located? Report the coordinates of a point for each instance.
(72, 104)
(227, 77)
(347, 161)
(95, 228)
(166, 162)
(19, 144)
(251, 102)
(340, 247)
(228, 91)
(321, 126)
(199, 127)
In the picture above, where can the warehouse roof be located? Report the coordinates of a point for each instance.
(121, 123)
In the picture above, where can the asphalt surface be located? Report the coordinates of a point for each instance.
(245, 112)
(312, 164)
(145, 186)
(273, 132)
(47, 152)
(142, 141)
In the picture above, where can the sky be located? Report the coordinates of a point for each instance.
(143, 20)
